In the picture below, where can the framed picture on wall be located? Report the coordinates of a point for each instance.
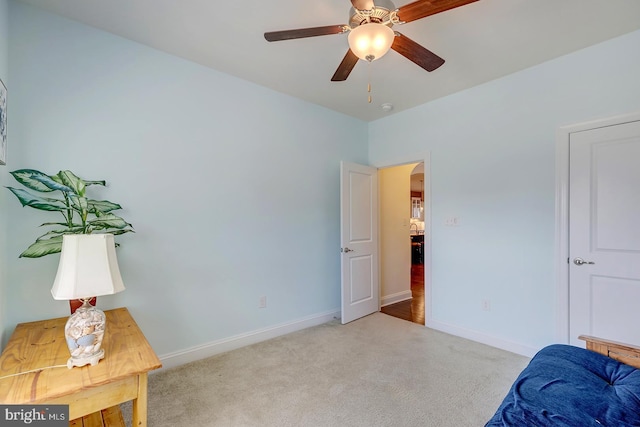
(3, 124)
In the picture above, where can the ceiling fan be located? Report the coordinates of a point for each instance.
(373, 21)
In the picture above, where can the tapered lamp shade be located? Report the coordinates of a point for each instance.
(371, 41)
(88, 267)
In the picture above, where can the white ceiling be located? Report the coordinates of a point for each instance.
(480, 42)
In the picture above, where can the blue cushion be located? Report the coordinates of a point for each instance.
(569, 386)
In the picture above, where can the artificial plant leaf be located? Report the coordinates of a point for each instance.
(52, 183)
(103, 206)
(54, 233)
(78, 203)
(103, 183)
(37, 202)
(108, 221)
(41, 248)
(73, 228)
(119, 232)
(50, 234)
(64, 224)
(36, 180)
(69, 179)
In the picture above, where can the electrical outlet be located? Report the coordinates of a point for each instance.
(263, 302)
(486, 305)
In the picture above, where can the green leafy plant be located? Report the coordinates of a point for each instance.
(81, 215)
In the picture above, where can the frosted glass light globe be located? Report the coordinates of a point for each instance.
(371, 41)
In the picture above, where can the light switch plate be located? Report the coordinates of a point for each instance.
(452, 221)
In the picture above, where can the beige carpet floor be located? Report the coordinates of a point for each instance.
(375, 371)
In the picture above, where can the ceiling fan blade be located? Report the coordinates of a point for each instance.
(416, 53)
(362, 4)
(423, 8)
(344, 69)
(300, 33)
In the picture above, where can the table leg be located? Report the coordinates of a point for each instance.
(140, 404)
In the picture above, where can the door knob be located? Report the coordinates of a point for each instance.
(580, 261)
(345, 250)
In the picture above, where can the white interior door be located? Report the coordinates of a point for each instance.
(604, 233)
(359, 240)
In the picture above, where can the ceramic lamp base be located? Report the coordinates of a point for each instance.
(81, 361)
(84, 332)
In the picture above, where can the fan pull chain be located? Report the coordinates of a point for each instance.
(369, 82)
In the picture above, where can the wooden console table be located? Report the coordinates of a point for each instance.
(37, 353)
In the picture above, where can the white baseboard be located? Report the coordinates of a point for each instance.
(482, 338)
(192, 354)
(394, 298)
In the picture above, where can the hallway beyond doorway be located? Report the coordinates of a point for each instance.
(412, 309)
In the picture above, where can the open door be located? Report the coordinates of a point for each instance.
(359, 240)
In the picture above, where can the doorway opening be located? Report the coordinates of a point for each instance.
(413, 309)
(402, 241)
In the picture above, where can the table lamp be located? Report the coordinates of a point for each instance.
(88, 267)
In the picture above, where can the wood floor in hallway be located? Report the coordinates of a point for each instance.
(411, 309)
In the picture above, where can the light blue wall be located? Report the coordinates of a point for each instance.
(233, 189)
(4, 76)
(493, 166)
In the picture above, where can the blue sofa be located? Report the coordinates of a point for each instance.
(570, 386)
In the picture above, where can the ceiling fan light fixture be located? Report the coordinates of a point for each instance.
(371, 41)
